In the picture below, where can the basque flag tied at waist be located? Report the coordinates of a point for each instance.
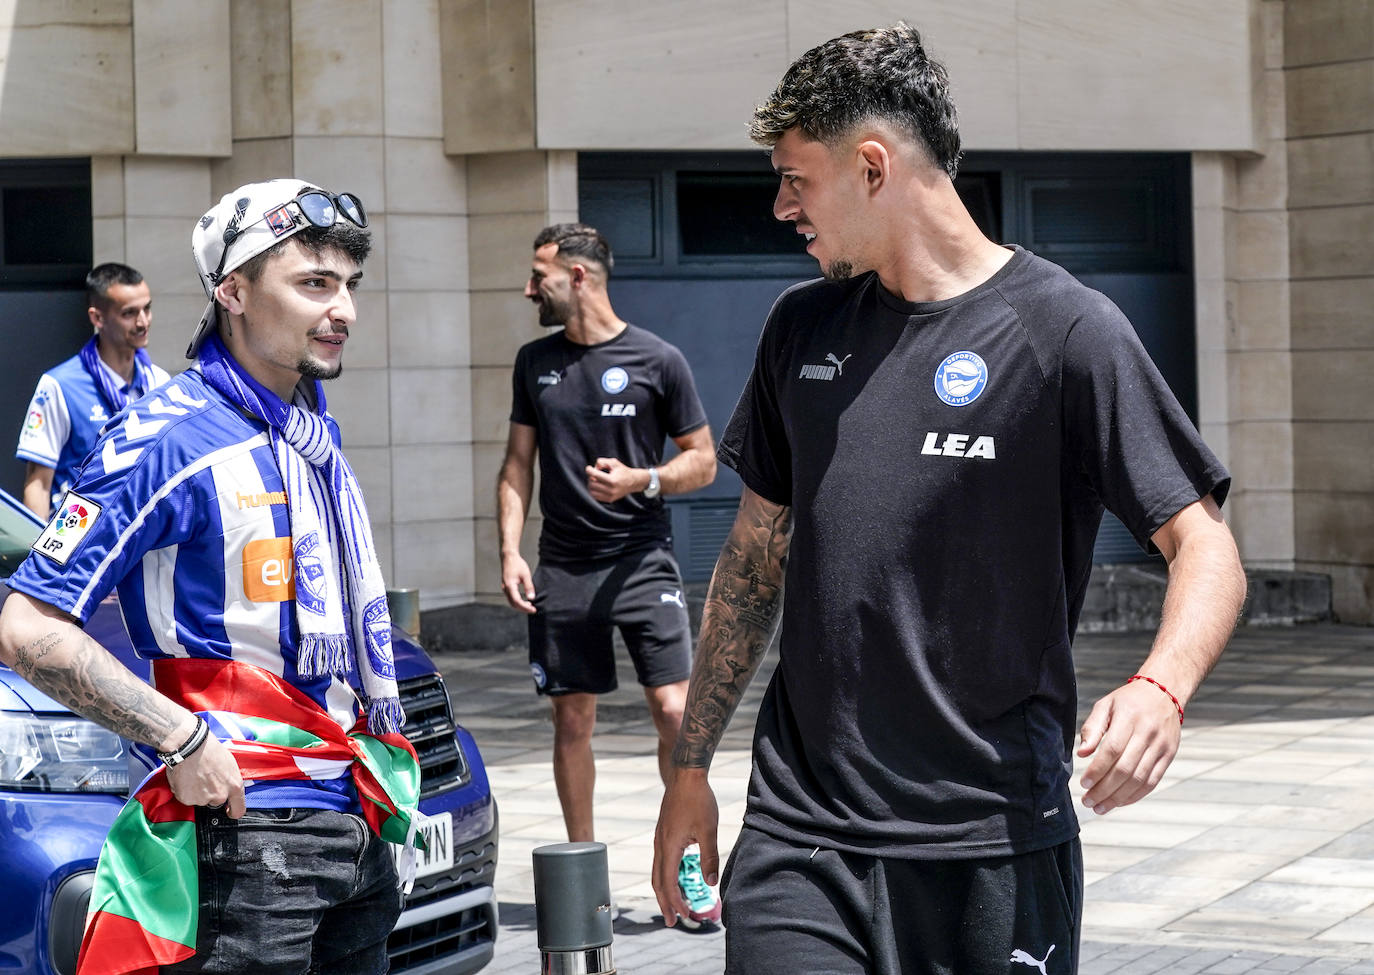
(144, 908)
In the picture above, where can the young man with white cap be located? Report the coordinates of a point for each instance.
(75, 398)
(223, 511)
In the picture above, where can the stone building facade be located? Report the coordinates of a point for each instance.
(460, 122)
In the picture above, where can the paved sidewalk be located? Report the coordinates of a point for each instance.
(1256, 853)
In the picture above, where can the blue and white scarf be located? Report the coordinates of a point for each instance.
(115, 397)
(327, 511)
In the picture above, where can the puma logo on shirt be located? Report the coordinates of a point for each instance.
(674, 597)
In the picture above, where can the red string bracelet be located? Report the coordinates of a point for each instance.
(1165, 690)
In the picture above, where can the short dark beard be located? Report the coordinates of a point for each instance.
(839, 271)
(314, 370)
(549, 316)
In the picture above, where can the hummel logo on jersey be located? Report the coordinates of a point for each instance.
(98, 414)
(674, 597)
(1025, 958)
(617, 409)
(260, 499)
(553, 378)
(827, 373)
(957, 445)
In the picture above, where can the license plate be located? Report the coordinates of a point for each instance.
(438, 834)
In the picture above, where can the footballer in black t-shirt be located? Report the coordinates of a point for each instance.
(593, 405)
(927, 442)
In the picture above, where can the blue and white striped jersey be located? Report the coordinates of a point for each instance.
(64, 418)
(181, 506)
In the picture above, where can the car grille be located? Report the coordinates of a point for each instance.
(473, 866)
(429, 726)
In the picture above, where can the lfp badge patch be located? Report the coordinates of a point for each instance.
(68, 526)
(961, 378)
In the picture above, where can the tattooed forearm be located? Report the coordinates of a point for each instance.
(741, 612)
(72, 668)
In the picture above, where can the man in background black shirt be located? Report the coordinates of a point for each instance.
(594, 403)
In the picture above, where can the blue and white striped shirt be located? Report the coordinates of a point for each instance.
(181, 506)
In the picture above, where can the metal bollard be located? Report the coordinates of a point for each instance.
(404, 606)
(572, 909)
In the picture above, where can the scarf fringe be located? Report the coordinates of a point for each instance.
(384, 716)
(322, 655)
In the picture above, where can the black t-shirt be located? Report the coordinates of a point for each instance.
(616, 399)
(947, 464)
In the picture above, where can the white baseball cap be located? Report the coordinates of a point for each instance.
(253, 218)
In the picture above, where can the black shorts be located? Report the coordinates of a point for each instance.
(571, 635)
(790, 909)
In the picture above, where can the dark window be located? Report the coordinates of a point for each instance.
(626, 213)
(45, 224)
(690, 215)
(731, 215)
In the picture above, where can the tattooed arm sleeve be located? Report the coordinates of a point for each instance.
(741, 613)
(51, 652)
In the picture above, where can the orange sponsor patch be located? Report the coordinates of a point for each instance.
(269, 570)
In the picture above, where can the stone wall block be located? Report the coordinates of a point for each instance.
(426, 253)
(1330, 99)
(431, 406)
(181, 78)
(412, 69)
(1333, 314)
(1333, 242)
(487, 75)
(253, 161)
(260, 41)
(1333, 385)
(441, 473)
(68, 86)
(1331, 170)
(336, 61)
(429, 328)
(420, 178)
(1322, 31)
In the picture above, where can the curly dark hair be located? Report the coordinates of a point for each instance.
(877, 74)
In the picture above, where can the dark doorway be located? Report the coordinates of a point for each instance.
(45, 252)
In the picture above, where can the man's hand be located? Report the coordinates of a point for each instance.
(1134, 734)
(210, 777)
(688, 815)
(517, 582)
(609, 480)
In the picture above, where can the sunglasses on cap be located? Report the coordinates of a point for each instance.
(319, 208)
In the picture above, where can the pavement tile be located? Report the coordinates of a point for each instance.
(1255, 855)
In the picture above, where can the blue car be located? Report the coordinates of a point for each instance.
(63, 779)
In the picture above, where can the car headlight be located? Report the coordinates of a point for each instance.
(40, 753)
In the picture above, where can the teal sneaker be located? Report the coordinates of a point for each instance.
(702, 903)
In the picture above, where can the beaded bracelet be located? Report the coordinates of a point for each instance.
(1165, 690)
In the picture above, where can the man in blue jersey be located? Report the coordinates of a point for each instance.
(223, 511)
(75, 399)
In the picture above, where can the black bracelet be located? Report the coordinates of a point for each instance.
(188, 747)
